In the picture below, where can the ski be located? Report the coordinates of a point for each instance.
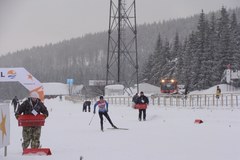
(119, 128)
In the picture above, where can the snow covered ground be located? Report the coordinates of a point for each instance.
(168, 134)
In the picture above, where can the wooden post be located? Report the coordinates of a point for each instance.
(237, 100)
(5, 151)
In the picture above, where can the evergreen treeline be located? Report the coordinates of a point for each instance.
(84, 58)
(200, 60)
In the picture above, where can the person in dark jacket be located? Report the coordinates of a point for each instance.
(186, 92)
(218, 92)
(134, 100)
(15, 103)
(103, 110)
(142, 99)
(31, 106)
(87, 104)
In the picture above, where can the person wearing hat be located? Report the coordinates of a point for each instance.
(103, 110)
(143, 101)
(31, 106)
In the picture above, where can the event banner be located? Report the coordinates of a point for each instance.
(22, 76)
(4, 125)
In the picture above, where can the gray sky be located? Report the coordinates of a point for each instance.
(28, 23)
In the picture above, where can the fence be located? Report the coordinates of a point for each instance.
(193, 100)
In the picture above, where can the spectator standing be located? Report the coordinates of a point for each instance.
(15, 103)
(134, 100)
(31, 106)
(142, 101)
(87, 105)
(218, 92)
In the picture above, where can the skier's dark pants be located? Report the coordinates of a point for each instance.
(86, 105)
(85, 108)
(140, 114)
(15, 107)
(101, 118)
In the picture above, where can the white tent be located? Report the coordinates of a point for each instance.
(148, 89)
(55, 88)
(114, 90)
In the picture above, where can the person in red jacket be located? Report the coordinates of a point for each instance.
(103, 111)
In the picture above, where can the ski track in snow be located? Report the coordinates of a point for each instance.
(169, 133)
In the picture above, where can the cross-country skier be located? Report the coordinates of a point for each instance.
(103, 110)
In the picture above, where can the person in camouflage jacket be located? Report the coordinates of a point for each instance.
(31, 134)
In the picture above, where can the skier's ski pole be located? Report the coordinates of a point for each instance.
(91, 119)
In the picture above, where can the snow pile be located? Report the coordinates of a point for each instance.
(224, 88)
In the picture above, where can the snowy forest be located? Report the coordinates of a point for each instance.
(194, 50)
(200, 60)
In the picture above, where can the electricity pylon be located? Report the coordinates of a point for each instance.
(122, 55)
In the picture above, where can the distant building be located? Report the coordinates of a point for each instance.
(147, 88)
(114, 90)
(54, 89)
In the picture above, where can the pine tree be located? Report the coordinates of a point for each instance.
(152, 67)
(147, 73)
(224, 55)
(235, 37)
(235, 45)
(166, 65)
(213, 51)
(200, 54)
(177, 58)
(188, 52)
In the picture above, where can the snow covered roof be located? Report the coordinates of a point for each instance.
(116, 86)
(55, 88)
(146, 88)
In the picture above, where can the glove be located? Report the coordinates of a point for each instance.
(94, 112)
(45, 116)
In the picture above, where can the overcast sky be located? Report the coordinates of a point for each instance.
(28, 23)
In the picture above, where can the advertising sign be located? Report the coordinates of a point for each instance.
(22, 76)
(4, 125)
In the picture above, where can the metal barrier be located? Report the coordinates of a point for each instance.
(192, 100)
